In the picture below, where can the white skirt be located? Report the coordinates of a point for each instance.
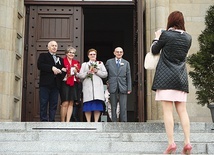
(171, 95)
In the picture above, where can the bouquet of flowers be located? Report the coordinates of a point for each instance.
(92, 66)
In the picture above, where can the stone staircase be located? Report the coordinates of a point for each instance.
(103, 138)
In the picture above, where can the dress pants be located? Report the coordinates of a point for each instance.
(114, 97)
(48, 97)
(75, 114)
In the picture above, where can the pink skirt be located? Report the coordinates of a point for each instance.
(171, 95)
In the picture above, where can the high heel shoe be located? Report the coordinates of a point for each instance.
(171, 149)
(187, 149)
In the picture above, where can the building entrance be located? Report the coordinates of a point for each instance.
(83, 27)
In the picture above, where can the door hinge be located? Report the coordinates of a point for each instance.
(28, 10)
(26, 47)
(25, 84)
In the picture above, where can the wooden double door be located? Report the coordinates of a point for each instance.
(43, 24)
(101, 27)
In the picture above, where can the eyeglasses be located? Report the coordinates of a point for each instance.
(71, 52)
(119, 51)
(92, 54)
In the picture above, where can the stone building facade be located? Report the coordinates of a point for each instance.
(12, 30)
(157, 12)
(12, 21)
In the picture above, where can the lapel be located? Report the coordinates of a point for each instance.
(50, 57)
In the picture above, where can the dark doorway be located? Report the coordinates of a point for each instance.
(105, 28)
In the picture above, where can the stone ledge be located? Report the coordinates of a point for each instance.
(128, 127)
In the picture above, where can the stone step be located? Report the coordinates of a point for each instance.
(98, 138)
(98, 147)
(132, 127)
(61, 153)
(107, 137)
(71, 153)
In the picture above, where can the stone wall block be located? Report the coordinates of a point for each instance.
(5, 61)
(9, 17)
(5, 107)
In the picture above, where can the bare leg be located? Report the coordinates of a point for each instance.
(63, 110)
(88, 116)
(168, 120)
(184, 118)
(96, 116)
(69, 111)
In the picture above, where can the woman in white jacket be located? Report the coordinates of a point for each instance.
(91, 73)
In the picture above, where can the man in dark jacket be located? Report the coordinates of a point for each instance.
(50, 66)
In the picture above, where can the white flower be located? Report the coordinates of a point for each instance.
(57, 60)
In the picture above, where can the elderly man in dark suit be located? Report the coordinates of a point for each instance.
(120, 84)
(50, 66)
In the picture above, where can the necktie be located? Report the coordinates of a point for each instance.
(118, 62)
(54, 57)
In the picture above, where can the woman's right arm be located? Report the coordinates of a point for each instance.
(158, 42)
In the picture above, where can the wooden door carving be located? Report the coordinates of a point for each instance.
(60, 23)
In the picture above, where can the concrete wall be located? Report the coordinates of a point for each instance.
(157, 12)
(11, 61)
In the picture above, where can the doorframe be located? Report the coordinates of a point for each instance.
(142, 113)
(139, 45)
(72, 2)
(25, 63)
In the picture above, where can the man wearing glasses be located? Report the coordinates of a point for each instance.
(119, 79)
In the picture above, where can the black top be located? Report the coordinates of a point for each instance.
(171, 70)
(47, 77)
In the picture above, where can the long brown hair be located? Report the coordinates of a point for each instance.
(176, 20)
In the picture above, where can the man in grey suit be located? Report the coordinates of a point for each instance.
(120, 84)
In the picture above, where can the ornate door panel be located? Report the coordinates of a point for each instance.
(60, 23)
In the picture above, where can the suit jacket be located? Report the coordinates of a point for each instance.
(119, 78)
(47, 77)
